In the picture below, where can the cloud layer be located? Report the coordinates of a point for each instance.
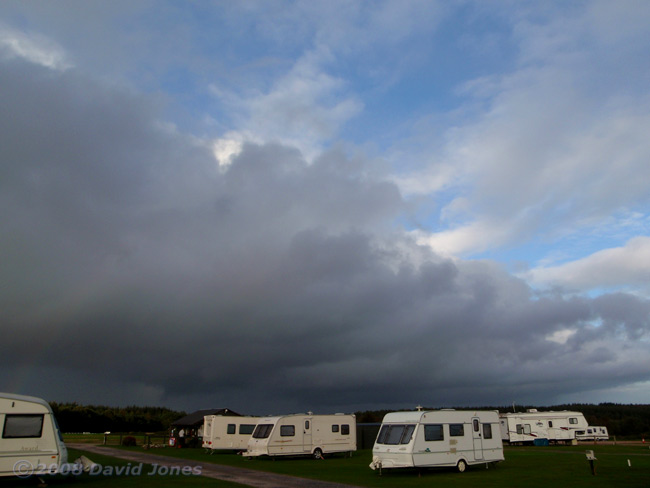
(135, 269)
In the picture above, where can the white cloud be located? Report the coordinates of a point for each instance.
(560, 147)
(627, 266)
(561, 336)
(228, 147)
(305, 108)
(33, 47)
(475, 237)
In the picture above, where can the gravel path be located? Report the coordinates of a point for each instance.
(248, 477)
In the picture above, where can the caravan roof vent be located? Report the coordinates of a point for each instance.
(532, 410)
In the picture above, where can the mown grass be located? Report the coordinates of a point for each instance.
(526, 466)
(529, 466)
(142, 480)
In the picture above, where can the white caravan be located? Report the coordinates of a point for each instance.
(227, 432)
(593, 433)
(556, 427)
(30, 440)
(437, 438)
(303, 434)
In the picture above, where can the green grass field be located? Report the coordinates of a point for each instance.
(125, 479)
(525, 466)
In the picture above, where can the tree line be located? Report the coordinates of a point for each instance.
(73, 417)
(623, 421)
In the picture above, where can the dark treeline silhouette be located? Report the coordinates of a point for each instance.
(73, 417)
(625, 421)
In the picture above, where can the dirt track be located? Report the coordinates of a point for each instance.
(243, 476)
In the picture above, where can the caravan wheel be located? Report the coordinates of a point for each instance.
(461, 466)
(318, 454)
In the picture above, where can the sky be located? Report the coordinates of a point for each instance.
(289, 206)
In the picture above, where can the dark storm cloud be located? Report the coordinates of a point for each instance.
(131, 262)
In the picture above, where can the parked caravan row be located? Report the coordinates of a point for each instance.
(286, 435)
(554, 427)
(438, 438)
(30, 440)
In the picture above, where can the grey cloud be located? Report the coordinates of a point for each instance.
(131, 261)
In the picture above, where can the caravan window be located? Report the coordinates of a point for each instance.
(246, 429)
(262, 431)
(287, 430)
(475, 422)
(433, 432)
(381, 437)
(232, 429)
(395, 434)
(550, 423)
(408, 433)
(456, 430)
(345, 429)
(17, 426)
(573, 420)
(523, 429)
(335, 428)
(487, 431)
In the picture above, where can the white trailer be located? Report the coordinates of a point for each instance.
(303, 434)
(527, 427)
(593, 433)
(30, 440)
(437, 438)
(227, 432)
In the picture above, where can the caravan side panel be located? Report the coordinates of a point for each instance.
(444, 438)
(291, 436)
(333, 433)
(231, 432)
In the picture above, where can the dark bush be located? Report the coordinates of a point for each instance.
(128, 441)
(193, 442)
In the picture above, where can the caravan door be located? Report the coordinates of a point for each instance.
(478, 440)
(306, 436)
